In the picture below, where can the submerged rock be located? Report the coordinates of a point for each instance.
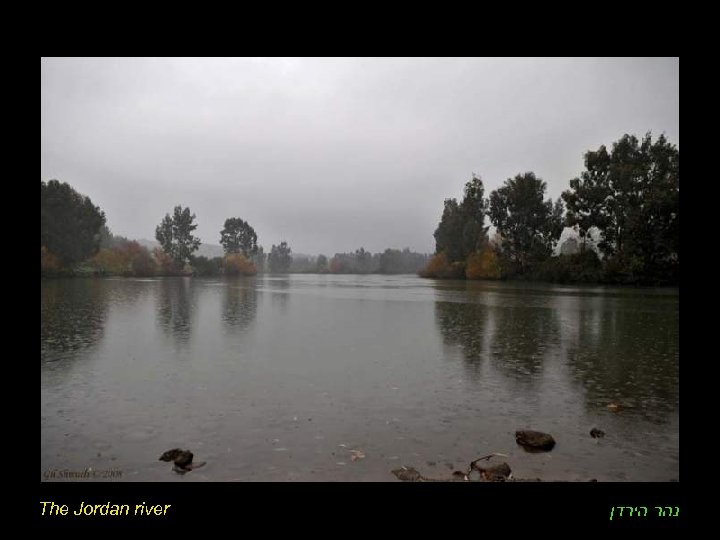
(408, 474)
(534, 440)
(182, 460)
(596, 433)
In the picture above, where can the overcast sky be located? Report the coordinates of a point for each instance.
(332, 154)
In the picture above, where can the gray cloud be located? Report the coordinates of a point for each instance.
(332, 154)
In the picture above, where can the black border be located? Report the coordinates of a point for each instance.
(344, 509)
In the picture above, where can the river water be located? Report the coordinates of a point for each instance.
(280, 378)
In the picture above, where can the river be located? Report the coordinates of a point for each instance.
(281, 377)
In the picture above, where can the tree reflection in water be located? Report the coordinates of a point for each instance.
(627, 352)
(72, 315)
(239, 303)
(175, 307)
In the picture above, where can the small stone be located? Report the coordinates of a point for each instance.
(534, 440)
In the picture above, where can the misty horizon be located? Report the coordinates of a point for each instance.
(332, 155)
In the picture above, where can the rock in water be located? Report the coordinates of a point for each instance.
(496, 473)
(182, 460)
(534, 440)
(596, 433)
(408, 474)
(170, 455)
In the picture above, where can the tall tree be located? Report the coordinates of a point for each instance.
(461, 231)
(70, 224)
(587, 198)
(238, 236)
(175, 235)
(473, 209)
(631, 195)
(529, 225)
(279, 259)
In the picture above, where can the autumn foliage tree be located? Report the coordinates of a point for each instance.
(236, 264)
(483, 265)
(128, 258)
(440, 266)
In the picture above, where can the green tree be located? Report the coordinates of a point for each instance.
(473, 209)
(238, 236)
(461, 231)
(587, 198)
(175, 235)
(70, 224)
(631, 195)
(279, 259)
(529, 226)
(202, 266)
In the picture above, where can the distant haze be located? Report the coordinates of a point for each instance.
(332, 154)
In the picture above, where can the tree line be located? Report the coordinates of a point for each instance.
(624, 208)
(75, 240)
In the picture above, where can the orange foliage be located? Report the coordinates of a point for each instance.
(126, 259)
(440, 267)
(483, 265)
(49, 263)
(138, 258)
(165, 265)
(109, 261)
(236, 264)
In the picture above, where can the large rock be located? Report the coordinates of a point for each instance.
(496, 473)
(534, 440)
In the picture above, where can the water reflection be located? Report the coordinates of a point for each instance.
(175, 307)
(239, 304)
(515, 337)
(628, 353)
(464, 325)
(72, 316)
(521, 339)
(280, 287)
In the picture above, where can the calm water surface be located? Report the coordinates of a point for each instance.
(278, 378)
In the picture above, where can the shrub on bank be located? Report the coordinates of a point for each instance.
(235, 264)
(483, 265)
(125, 259)
(439, 267)
(49, 263)
(165, 265)
(202, 266)
(584, 267)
